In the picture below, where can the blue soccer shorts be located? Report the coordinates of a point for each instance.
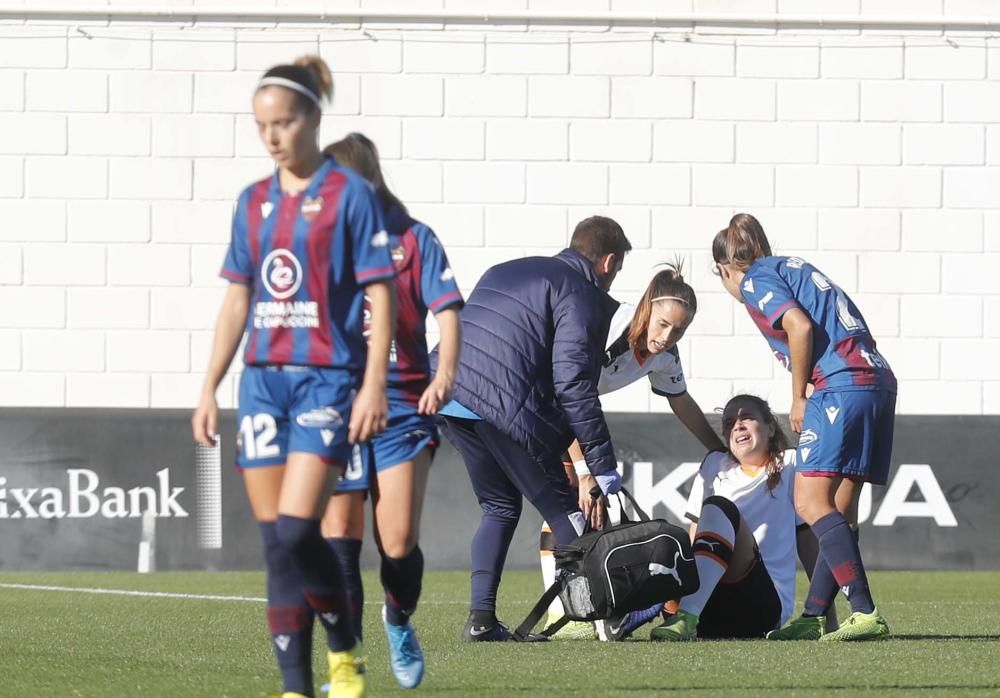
(405, 436)
(848, 433)
(288, 409)
(357, 476)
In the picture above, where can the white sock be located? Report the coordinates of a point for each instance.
(714, 534)
(548, 563)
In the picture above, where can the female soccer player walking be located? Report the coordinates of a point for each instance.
(403, 452)
(308, 244)
(845, 427)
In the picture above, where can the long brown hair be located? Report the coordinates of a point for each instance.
(669, 282)
(777, 444)
(358, 151)
(742, 243)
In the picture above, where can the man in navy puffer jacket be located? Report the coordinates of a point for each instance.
(533, 336)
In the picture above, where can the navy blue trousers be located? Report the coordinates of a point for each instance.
(502, 473)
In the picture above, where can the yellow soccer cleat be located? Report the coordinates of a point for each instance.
(573, 630)
(860, 627)
(347, 673)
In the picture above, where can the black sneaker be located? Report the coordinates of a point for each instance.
(473, 632)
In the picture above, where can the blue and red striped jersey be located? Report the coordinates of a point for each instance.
(424, 281)
(306, 258)
(844, 354)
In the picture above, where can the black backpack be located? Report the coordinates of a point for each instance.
(622, 568)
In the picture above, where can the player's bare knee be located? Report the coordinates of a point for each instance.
(398, 544)
(807, 510)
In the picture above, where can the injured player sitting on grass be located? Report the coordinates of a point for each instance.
(745, 534)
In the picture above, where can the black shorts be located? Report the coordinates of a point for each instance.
(745, 609)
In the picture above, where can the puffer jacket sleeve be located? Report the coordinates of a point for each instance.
(580, 331)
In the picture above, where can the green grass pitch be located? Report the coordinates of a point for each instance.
(68, 643)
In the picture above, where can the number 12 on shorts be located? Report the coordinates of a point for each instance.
(257, 434)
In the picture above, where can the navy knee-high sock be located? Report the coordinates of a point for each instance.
(823, 587)
(838, 546)
(489, 551)
(348, 552)
(402, 579)
(288, 615)
(321, 577)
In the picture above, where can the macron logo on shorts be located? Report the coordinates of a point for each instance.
(831, 413)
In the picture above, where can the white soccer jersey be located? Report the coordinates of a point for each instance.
(623, 367)
(770, 515)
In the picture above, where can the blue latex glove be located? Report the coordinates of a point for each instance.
(610, 482)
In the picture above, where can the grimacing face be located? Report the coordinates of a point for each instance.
(668, 321)
(288, 133)
(749, 434)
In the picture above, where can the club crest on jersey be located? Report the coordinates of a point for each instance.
(265, 209)
(281, 273)
(398, 255)
(311, 207)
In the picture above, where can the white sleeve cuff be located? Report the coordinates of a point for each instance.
(580, 467)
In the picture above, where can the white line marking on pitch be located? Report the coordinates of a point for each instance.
(174, 595)
(132, 592)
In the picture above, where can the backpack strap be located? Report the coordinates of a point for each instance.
(523, 632)
(643, 516)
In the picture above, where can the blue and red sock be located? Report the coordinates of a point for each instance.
(838, 547)
(288, 615)
(321, 577)
(348, 552)
(823, 587)
(402, 579)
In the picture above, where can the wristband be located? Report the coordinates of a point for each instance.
(580, 467)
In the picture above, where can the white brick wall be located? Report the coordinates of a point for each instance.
(874, 154)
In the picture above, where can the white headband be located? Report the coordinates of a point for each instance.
(669, 298)
(291, 85)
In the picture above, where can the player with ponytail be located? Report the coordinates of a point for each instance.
(642, 342)
(402, 453)
(843, 405)
(308, 245)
